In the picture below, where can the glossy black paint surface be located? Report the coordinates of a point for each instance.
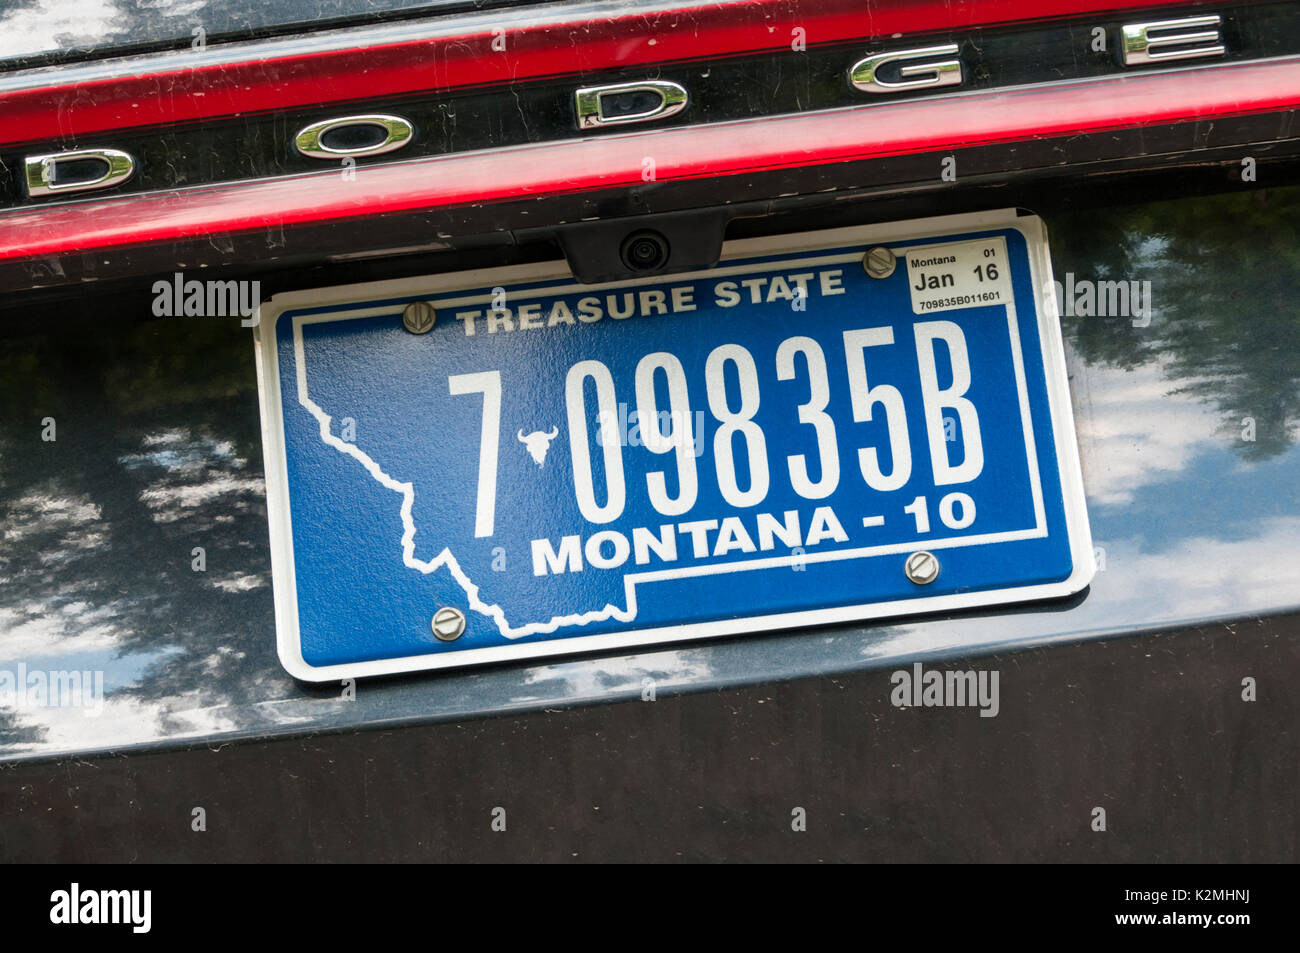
(1152, 729)
(1196, 511)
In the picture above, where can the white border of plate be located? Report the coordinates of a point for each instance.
(277, 481)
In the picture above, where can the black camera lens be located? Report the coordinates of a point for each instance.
(645, 251)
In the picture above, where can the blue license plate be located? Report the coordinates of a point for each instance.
(825, 427)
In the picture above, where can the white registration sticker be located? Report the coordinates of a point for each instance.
(971, 274)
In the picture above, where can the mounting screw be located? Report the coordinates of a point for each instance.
(448, 624)
(922, 568)
(879, 262)
(418, 317)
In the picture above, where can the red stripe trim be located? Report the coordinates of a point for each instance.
(88, 108)
(683, 153)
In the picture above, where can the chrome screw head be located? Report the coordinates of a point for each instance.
(879, 262)
(448, 624)
(418, 317)
(921, 568)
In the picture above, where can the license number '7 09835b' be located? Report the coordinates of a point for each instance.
(824, 427)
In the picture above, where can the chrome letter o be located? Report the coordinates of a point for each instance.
(396, 132)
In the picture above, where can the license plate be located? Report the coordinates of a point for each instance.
(825, 427)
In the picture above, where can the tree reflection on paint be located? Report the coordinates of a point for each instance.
(157, 452)
(1225, 278)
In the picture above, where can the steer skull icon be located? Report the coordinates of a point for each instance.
(538, 443)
